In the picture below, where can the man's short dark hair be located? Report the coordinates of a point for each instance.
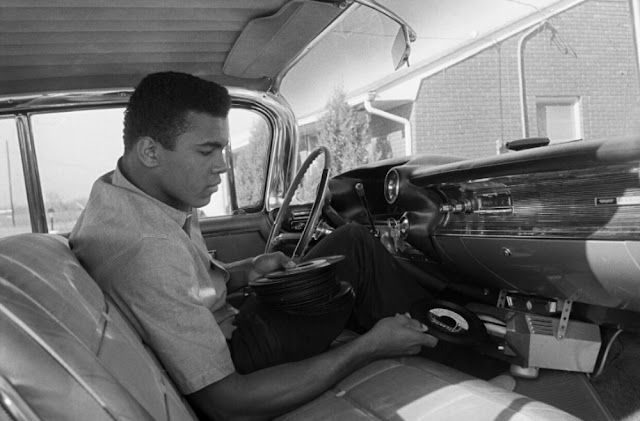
(159, 106)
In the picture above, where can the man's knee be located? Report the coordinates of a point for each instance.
(350, 240)
(354, 231)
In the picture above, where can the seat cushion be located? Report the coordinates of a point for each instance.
(418, 389)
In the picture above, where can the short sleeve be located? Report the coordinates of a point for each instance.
(156, 284)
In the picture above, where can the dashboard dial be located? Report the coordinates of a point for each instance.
(391, 186)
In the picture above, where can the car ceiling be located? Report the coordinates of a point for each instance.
(63, 45)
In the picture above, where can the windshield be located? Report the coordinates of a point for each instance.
(483, 73)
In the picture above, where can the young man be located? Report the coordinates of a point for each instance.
(139, 238)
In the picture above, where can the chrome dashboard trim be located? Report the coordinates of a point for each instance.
(553, 204)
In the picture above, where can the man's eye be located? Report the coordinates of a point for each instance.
(206, 153)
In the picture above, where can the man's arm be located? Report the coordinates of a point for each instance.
(244, 271)
(273, 391)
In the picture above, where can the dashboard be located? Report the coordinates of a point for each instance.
(560, 222)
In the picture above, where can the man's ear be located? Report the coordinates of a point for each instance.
(147, 150)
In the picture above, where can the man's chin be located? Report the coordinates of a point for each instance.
(205, 197)
(202, 203)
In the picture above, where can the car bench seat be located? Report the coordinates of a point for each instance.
(66, 353)
(66, 350)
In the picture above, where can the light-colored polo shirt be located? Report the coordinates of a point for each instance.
(159, 273)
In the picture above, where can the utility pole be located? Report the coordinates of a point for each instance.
(13, 214)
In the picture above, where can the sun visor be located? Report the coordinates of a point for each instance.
(269, 43)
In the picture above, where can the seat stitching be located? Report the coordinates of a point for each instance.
(43, 344)
(23, 266)
(377, 373)
(5, 282)
(355, 404)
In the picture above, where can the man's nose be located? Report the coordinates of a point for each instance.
(219, 164)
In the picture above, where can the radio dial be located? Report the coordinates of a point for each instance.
(465, 206)
(446, 208)
(468, 206)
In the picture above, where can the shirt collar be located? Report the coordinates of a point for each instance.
(119, 180)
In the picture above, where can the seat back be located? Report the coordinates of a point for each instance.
(66, 352)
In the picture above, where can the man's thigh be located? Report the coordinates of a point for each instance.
(266, 336)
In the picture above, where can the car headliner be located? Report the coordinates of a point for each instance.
(65, 45)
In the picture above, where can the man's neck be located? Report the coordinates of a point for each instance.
(143, 180)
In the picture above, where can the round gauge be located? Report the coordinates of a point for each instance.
(391, 186)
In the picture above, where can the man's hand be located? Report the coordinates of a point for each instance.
(398, 335)
(270, 262)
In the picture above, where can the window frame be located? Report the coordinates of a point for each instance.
(231, 175)
(19, 137)
(575, 102)
(281, 165)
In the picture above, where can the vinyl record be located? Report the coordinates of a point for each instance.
(336, 301)
(449, 322)
(310, 289)
(306, 268)
(296, 284)
(300, 296)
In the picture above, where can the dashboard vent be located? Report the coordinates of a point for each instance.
(539, 325)
(297, 219)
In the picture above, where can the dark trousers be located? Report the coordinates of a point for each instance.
(266, 336)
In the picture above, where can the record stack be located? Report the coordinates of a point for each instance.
(309, 289)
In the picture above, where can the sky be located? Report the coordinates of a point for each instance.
(356, 60)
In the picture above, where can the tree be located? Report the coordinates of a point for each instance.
(342, 129)
(344, 132)
(381, 149)
(249, 164)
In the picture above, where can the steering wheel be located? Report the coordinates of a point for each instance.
(316, 209)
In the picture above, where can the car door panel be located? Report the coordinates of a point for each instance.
(236, 237)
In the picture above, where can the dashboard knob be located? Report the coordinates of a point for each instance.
(392, 186)
(446, 208)
(468, 206)
(404, 225)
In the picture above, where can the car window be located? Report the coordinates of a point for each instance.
(247, 157)
(73, 149)
(483, 73)
(14, 209)
(324, 114)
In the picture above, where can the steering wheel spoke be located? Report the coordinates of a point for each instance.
(316, 209)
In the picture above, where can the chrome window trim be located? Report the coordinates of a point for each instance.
(284, 147)
(33, 188)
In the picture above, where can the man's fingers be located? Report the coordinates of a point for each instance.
(284, 260)
(429, 341)
(413, 323)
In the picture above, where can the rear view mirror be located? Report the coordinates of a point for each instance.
(401, 49)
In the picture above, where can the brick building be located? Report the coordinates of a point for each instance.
(580, 70)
